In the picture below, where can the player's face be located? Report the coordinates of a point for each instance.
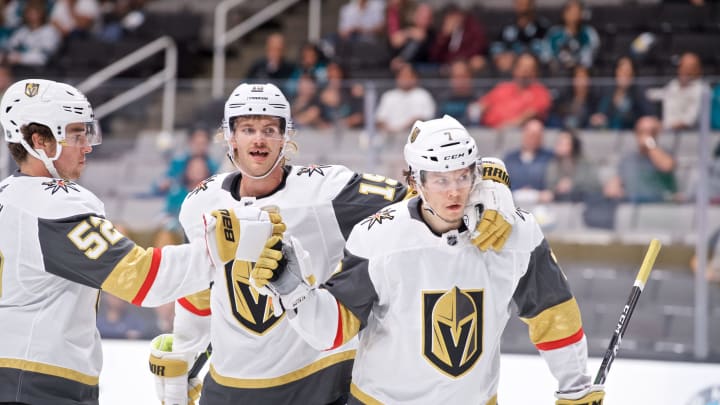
(258, 142)
(448, 192)
(79, 139)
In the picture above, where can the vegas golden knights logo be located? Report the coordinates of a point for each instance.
(31, 89)
(452, 329)
(251, 309)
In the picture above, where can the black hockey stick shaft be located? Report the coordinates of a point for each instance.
(200, 362)
(628, 309)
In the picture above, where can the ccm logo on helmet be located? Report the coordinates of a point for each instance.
(227, 225)
(459, 155)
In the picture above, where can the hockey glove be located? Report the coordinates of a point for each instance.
(591, 396)
(171, 373)
(224, 240)
(283, 272)
(490, 212)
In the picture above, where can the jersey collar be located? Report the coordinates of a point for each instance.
(231, 184)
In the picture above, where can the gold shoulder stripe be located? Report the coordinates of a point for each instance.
(555, 323)
(283, 379)
(129, 275)
(362, 396)
(47, 369)
(492, 401)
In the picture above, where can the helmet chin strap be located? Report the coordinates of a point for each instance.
(42, 156)
(244, 173)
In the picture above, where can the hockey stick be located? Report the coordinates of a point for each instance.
(622, 324)
(200, 362)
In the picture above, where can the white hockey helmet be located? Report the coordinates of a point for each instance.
(256, 99)
(439, 145)
(49, 103)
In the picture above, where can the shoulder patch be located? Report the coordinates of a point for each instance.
(309, 170)
(378, 217)
(202, 186)
(56, 185)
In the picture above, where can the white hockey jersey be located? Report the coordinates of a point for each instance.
(431, 310)
(257, 357)
(56, 251)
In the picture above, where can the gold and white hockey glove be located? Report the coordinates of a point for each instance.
(226, 242)
(283, 272)
(490, 211)
(593, 395)
(171, 373)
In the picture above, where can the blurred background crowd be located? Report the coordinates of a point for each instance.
(596, 107)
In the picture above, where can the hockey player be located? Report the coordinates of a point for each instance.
(257, 357)
(57, 250)
(430, 306)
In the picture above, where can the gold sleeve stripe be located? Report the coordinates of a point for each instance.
(495, 173)
(167, 367)
(198, 303)
(492, 401)
(362, 396)
(348, 326)
(48, 369)
(133, 276)
(555, 323)
(283, 379)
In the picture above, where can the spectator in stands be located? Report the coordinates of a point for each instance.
(712, 180)
(311, 63)
(400, 107)
(75, 17)
(511, 103)
(455, 98)
(119, 18)
(411, 44)
(715, 108)
(528, 165)
(682, 95)
(646, 174)
(6, 23)
(712, 272)
(525, 34)
(118, 320)
(569, 176)
(196, 170)
(198, 145)
(342, 101)
(571, 108)
(306, 107)
(35, 41)
(621, 105)
(274, 66)
(460, 37)
(397, 16)
(361, 20)
(574, 43)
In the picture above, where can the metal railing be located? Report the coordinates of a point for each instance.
(222, 37)
(167, 77)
